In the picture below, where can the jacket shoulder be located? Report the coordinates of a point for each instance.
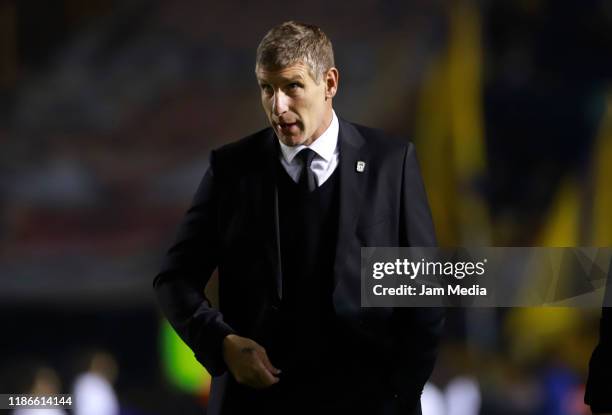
(246, 145)
(383, 141)
(243, 154)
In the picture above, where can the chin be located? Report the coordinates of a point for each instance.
(293, 141)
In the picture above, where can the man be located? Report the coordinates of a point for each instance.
(283, 214)
(599, 383)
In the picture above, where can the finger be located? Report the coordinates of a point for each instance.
(266, 362)
(265, 378)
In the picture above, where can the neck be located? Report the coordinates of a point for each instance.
(324, 126)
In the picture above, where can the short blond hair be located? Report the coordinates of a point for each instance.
(292, 42)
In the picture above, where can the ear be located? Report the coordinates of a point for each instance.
(331, 83)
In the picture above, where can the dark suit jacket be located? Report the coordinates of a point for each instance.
(233, 225)
(598, 392)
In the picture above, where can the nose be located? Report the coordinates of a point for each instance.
(280, 103)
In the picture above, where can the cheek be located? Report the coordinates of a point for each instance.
(266, 103)
(304, 109)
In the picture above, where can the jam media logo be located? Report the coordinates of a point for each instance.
(486, 277)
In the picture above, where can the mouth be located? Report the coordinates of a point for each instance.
(287, 127)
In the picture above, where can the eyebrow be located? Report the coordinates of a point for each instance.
(294, 78)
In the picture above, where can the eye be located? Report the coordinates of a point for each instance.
(293, 88)
(267, 89)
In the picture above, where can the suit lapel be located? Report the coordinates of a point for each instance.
(352, 184)
(268, 193)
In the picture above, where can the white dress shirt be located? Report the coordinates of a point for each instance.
(325, 160)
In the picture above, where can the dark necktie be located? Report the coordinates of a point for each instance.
(307, 178)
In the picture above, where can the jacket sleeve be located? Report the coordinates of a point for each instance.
(418, 330)
(187, 268)
(599, 382)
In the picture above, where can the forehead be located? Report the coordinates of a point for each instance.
(291, 72)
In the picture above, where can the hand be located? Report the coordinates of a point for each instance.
(248, 362)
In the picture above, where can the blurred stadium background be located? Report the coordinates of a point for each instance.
(108, 110)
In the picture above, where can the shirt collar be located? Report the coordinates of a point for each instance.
(324, 146)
